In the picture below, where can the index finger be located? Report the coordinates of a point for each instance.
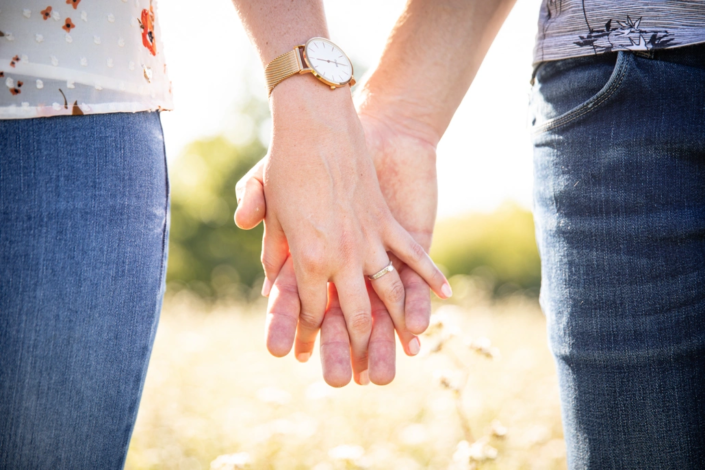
(412, 253)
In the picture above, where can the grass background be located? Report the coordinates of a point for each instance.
(212, 390)
(214, 398)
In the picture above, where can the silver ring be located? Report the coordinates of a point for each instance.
(387, 269)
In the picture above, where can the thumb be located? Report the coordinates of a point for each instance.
(251, 206)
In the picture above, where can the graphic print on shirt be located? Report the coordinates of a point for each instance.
(574, 28)
(14, 87)
(72, 57)
(68, 25)
(147, 25)
(75, 109)
(627, 37)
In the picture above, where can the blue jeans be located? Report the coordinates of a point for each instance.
(83, 245)
(619, 163)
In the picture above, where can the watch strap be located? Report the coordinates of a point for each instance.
(283, 67)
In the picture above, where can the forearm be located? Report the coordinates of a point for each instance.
(275, 27)
(429, 62)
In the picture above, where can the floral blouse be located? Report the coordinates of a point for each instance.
(74, 57)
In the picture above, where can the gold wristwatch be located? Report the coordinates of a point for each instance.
(320, 57)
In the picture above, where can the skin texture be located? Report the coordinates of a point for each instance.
(404, 107)
(325, 209)
(407, 171)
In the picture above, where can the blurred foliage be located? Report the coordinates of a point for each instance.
(211, 257)
(499, 248)
(208, 254)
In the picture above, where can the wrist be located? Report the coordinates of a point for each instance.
(301, 96)
(398, 110)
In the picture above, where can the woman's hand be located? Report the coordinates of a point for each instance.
(405, 166)
(325, 208)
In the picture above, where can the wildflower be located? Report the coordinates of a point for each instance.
(478, 451)
(318, 391)
(441, 320)
(497, 429)
(414, 434)
(274, 395)
(448, 379)
(346, 452)
(436, 324)
(231, 461)
(484, 347)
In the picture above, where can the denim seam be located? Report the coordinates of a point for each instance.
(134, 406)
(589, 105)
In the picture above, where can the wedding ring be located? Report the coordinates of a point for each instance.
(387, 269)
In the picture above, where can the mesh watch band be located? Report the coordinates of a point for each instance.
(283, 67)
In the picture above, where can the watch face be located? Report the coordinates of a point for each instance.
(328, 61)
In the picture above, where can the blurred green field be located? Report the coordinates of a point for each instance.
(213, 391)
(215, 399)
(210, 256)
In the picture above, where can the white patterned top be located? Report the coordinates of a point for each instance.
(63, 57)
(573, 28)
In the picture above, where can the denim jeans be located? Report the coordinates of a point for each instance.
(619, 167)
(83, 244)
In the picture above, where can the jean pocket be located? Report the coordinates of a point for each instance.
(566, 83)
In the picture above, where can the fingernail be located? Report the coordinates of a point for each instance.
(303, 357)
(414, 346)
(447, 291)
(364, 377)
(266, 287)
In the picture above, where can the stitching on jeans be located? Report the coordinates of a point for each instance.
(585, 108)
(141, 378)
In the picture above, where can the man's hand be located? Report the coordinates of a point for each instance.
(325, 209)
(406, 170)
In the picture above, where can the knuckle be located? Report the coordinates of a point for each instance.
(395, 293)
(416, 251)
(360, 323)
(287, 288)
(268, 263)
(309, 320)
(413, 281)
(313, 260)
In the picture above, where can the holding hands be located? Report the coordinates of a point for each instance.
(405, 168)
(349, 191)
